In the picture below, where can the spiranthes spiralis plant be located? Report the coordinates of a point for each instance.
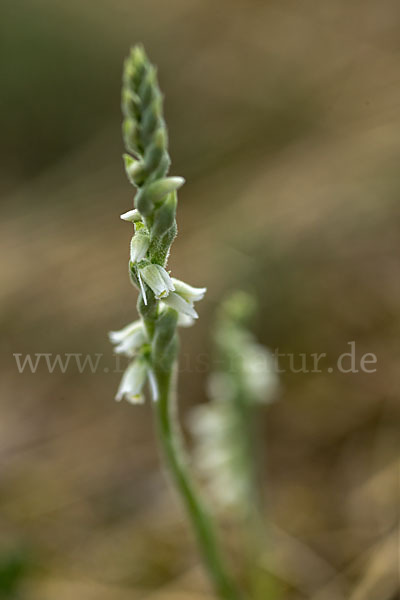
(164, 302)
(225, 436)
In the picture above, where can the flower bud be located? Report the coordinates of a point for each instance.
(133, 168)
(130, 135)
(130, 103)
(144, 203)
(139, 245)
(151, 119)
(155, 152)
(148, 87)
(134, 68)
(132, 216)
(160, 188)
(165, 216)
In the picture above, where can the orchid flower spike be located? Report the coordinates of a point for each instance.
(164, 302)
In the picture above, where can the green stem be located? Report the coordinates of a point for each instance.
(169, 435)
(252, 510)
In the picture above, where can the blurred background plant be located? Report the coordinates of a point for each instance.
(285, 120)
(226, 450)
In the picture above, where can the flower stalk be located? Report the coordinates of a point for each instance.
(163, 302)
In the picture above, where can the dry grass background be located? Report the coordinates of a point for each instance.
(284, 118)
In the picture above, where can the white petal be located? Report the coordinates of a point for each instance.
(138, 399)
(132, 215)
(166, 278)
(117, 337)
(131, 344)
(139, 245)
(178, 303)
(185, 320)
(188, 292)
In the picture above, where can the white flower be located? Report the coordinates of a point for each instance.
(157, 279)
(131, 216)
(217, 451)
(129, 339)
(182, 306)
(188, 292)
(182, 300)
(260, 377)
(133, 381)
(139, 245)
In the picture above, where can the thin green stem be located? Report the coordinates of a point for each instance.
(252, 510)
(169, 435)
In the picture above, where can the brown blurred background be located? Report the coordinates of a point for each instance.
(284, 118)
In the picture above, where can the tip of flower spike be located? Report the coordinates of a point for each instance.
(136, 60)
(132, 216)
(137, 53)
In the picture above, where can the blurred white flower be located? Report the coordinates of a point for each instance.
(217, 451)
(260, 378)
(222, 429)
(133, 381)
(129, 339)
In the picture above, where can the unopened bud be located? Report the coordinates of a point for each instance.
(130, 103)
(160, 188)
(139, 245)
(165, 216)
(143, 202)
(132, 216)
(130, 135)
(133, 168)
